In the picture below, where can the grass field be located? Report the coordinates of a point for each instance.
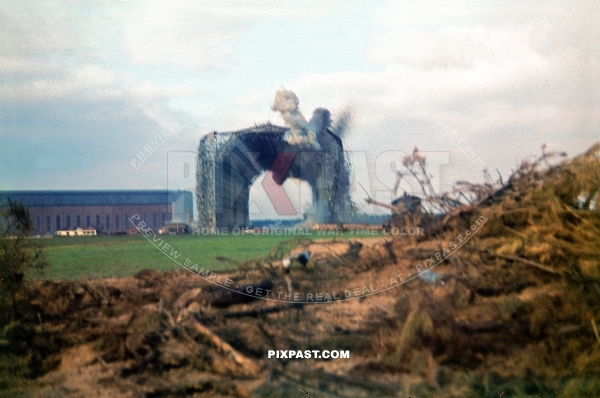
(105, 256)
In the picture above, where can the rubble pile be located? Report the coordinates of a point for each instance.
(513, 311)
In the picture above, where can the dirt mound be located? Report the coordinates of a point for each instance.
(499, 298)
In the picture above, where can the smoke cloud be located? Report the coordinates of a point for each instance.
(333, 203)
(343, 122)
(286, 103)
(301, 132)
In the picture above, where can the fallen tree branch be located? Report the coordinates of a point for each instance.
(327, 378)
(258, 312)
(480, 326)
(377, 203)
(533, 264)
(595, 330)
(249, 365)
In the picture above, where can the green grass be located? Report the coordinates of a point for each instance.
(105, 256)
(102, 256)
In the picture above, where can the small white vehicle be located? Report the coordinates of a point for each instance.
(76, 232)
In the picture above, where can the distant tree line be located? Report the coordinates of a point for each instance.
(19, 253)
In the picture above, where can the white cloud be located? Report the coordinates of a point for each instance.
(201, 34)
(33, 27)
(88, 79)
(506, 81)
(453, 47)
(105, 78)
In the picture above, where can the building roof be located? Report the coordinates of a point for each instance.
(92, 198)
(261, 128)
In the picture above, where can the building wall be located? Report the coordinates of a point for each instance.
(46, 218)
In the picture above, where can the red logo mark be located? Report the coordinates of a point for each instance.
(272, 184)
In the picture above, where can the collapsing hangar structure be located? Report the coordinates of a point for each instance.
(229, 162)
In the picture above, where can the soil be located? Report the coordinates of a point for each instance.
(512, 312)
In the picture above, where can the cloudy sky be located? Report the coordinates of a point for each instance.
(89, 90)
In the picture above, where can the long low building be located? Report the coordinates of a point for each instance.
(106, 211)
